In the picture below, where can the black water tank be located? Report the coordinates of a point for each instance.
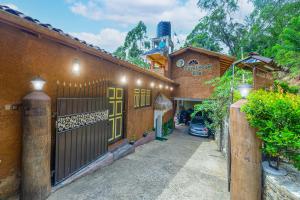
(163, 29)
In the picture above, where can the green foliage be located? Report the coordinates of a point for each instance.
(287, 49)
(284, 87)
(167, 127)
(134, 46)
(220, 26)
(272, 30)
(218, 106)
(267, 22)
(276, 116)
(201, 37)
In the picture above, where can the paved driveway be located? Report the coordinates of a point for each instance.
(183, 167)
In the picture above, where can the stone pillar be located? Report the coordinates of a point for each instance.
(246, 170)
(35, 182)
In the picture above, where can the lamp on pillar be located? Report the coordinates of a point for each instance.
(36, 143)
(244, 89)
(244, 155)
(38, 83)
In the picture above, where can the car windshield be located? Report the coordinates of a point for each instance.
(197, 120)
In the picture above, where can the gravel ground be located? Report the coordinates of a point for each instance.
(183, 167)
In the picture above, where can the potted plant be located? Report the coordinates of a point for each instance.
(145, 134)
(132, 139)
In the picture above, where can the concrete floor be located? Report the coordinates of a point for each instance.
(183, 167)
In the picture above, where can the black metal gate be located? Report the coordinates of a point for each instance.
(82, 126)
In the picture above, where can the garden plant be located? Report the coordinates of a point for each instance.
(276, 116)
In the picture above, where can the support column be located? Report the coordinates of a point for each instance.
(36, 183)
(246, 170)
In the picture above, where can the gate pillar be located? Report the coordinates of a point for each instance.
(245, 157)
(35, 182)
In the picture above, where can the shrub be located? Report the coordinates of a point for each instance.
(277, 118)
(285, 87)
(167, 127)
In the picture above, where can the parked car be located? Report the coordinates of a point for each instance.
(183, 117)
(197, 127)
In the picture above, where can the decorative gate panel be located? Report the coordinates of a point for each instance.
(116, 103)
(82, 127)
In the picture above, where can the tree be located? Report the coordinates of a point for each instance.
(266, 23)
(135, 45)
(287, 49)
(221, 25)
(218, 105)
(201, 37)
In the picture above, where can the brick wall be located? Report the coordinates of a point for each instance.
(194, 86)
(24, 56)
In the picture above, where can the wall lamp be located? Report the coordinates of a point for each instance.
(152, 84)
(76, 67)
(160, 86)
(38, 83)
(123, 80)
(139, 82)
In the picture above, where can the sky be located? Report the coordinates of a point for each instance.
(105, 23)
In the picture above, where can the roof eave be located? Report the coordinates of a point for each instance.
(41, 31)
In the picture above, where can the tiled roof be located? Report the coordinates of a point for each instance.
(50, 27)
(61, 32)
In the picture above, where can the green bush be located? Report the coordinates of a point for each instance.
(167, 127)
(285, 87)
(277, 118)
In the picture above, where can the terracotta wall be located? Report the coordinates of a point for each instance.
(194, 86)
(23, 56)
(167, 116)
(262, 79)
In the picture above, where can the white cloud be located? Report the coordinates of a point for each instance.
(13, 6)
(89, 10)
(245, 8)
(108, 38)
(179, 40)
(183, 15)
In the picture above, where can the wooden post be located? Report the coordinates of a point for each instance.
(245, 157)
(36, 148)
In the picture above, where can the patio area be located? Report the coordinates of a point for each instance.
(183, 167)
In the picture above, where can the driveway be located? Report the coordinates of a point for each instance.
(183, 167)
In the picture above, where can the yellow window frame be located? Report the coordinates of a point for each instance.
(148, 98)
(143, 97)
(136, 99)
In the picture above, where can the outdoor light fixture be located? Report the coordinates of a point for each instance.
(152, 84)
(160, 86)
(244, 89)
(139, 82)
(38, 83)
(76, 67)
(123, 79)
